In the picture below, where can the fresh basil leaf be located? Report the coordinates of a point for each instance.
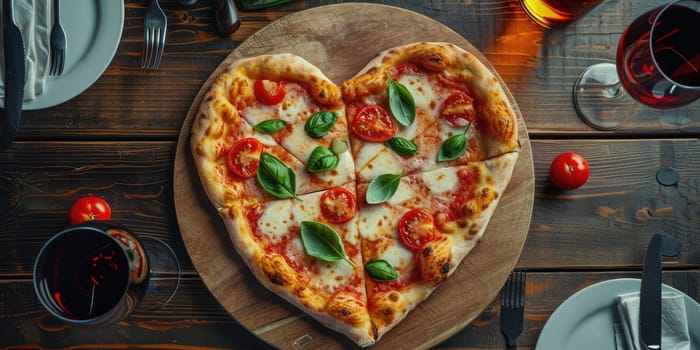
(454, 147)
(382, 188)
(270, 126)
(276, 178)
(402, 146)
(322, 242)
(401, 102)
(320, 123)
(381, 270)
(322, 158)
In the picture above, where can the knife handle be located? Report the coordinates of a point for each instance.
(8, 129)
(11, 115)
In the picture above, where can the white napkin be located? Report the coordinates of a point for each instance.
(674, 322)
(34, 20)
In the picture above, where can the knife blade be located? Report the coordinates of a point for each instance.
(14, 75)
(650, 295)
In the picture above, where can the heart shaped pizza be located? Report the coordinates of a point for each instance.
(355, 202)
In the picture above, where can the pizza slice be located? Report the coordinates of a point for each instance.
(423, 106)
(417, 237)
(292, 101)
(234, 135)
(308, 252)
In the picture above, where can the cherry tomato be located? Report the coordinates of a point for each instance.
(569, 171)
(89, 208)
(268, 92)
(338, 205)
(458, 110)
(416, 228)
(244, 156)
(373, 123)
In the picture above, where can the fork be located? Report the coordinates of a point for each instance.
(155, 24)
(57, 42)
(512, 307)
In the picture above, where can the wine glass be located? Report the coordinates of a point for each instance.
(98, 272)
(657, 64)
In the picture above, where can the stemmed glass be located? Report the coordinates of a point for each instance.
(98, 272)
(657, 64)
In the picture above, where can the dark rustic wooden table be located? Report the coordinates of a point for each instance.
(117, 140)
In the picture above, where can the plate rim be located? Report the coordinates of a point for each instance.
(621, 284)
(110, 21)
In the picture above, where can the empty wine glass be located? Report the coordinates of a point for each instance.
(657, 64)
(96, 273)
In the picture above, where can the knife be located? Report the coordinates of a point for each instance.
(14, 76)
(650, 295)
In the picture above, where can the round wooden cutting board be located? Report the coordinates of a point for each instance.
(340, 39)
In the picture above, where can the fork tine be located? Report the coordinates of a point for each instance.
(146, 48)
(514, 291)
(62, 59)
(155, 27)
(160, 47)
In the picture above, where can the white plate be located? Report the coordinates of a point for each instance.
(585, 320)
(93, 29)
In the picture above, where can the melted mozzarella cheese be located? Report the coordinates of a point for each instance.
(398, 256)
(423, 96)
(367, 153)
(295, 249)
(385, 162)
(334, 274)
(275, 221)
(257, 114)
(441, 180)
(419, 87)
(294, 111)
(374, 223)
(403, 193)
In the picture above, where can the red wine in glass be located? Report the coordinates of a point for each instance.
(657, 64)
(654, 77)
(91, 274)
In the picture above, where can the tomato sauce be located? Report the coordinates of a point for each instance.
(386, 286)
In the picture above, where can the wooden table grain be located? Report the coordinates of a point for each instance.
(118, 139)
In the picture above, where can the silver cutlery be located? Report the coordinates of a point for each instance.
(155, 25)
(512, 308)
(57, 42)
(14, 76)
(650, 295)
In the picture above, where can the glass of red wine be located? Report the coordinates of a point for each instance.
(97, 272)
(657, 64)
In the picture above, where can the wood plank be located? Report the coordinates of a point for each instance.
(539, 66)
(39, 182)
(605, 224)
(194, 320)
(608, 222)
